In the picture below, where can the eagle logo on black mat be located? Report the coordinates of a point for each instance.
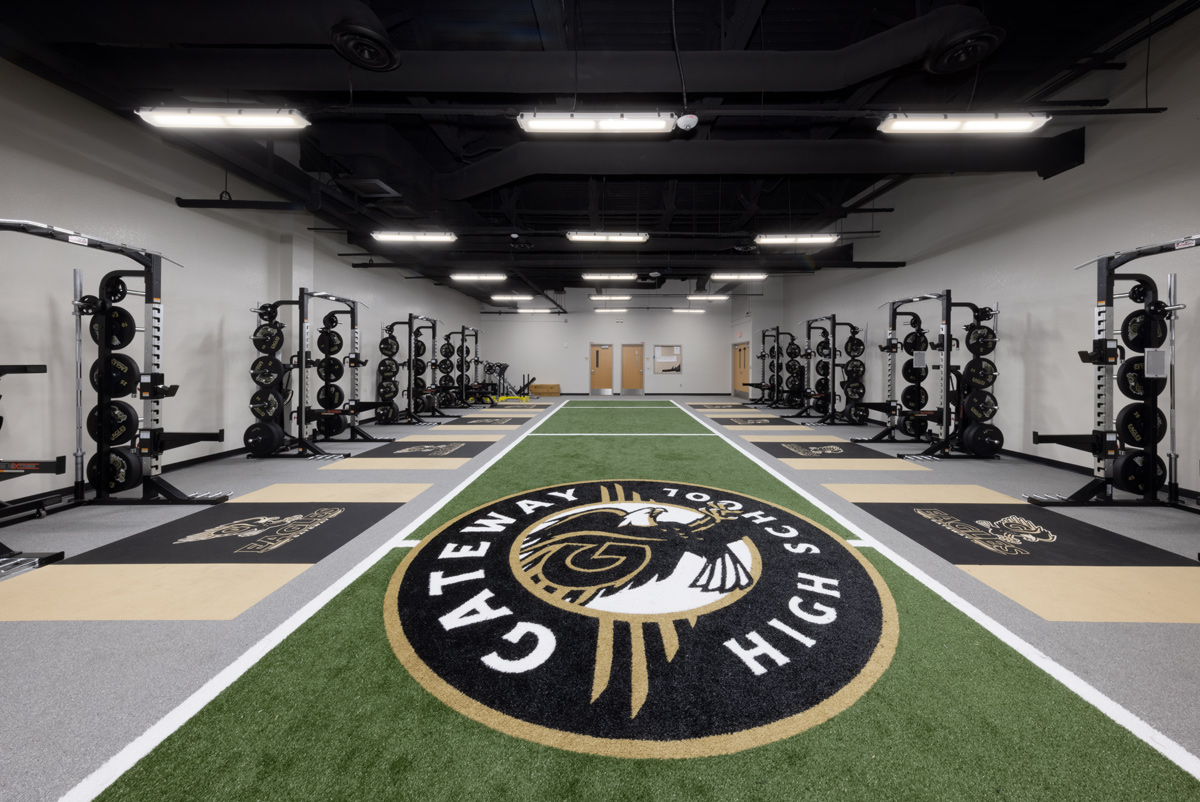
(287, 529)
(812, 451)
(1004, 536)
(641, 619)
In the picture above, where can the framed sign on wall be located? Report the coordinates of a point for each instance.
(668, 359)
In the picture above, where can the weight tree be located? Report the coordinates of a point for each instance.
(1125, 449)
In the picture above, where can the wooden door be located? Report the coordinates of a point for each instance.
(632, 367)
(741, 369)
(601, 366)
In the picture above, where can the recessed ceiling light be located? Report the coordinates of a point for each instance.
(1015, 123)
(688, 311)
(738, 276)
(610, 310)
(414, 236)
(610, 297)
(609, 276)
(478, 276)
(602, 236)
(795, 239)
(277, 119)
(708, 297)
(512, 297)
(570, 122)
(534, 311)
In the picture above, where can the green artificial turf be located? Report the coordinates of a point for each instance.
(330, 714)
(583, 420)
(631, 403)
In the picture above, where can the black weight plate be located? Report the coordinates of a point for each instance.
(330, 369)
(1137, 293)
(980, 373)
(771, 382)
(389, 346)
(1133, 428)
(419, 384)
(268, 338)
(464, 351)
(388, 368)
(418, 366)
(123, 423)
(444, 400)
(124, 470)
(115, 290)
(1138, 336)
(265, 404)
(982, 439)
(793, 350)
(772, 367)
(330, 396)
(791, 383)
(263, 439)
(388, 390)
(462, 365)
(820, 405)
(915, 341)
(446, 366)
(823, 349)
(330, 320)
(855, 347)
(329, 343)
(387, 413)
(446, 350)
(1132, 381)
(332, 425)
(981, 406)
(772, 352)
(821, 386)
(464, 380)
(913, 426)
(445, 380)
(855, 369)
(855, 390)
(121, 327)
(857, 413)
(267, 313)
(792, 366)
(981, 340)
(122, 376)
(913, 374)
(822, 368)
(914, 397)
(418, 347)
(1128, 476)
(266, 371)
(425, 403)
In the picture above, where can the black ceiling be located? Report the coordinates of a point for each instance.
(788, 95)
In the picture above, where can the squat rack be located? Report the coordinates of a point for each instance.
(354, 405)
(467, 357)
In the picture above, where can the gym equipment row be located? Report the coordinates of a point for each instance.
(336, 412)
(421, 396)
(782, 380)
(1125, 447)
(965, 405)
(823, 395)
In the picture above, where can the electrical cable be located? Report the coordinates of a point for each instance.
(678, 60)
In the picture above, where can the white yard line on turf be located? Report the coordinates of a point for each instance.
(1169, 748)
(95, 783)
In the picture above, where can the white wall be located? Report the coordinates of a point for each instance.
(70, 164)
(1013, 240)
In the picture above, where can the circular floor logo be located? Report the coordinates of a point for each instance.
(637, 618)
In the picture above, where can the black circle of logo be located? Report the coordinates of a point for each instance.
(638, 618)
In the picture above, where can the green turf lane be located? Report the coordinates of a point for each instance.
(330, 714)
(600, 420)
(631, 403)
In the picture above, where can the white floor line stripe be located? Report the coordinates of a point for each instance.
(1167, 747)
(626, 434)
(862, 544)
(96, 782)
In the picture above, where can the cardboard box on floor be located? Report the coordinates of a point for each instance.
(544, 389)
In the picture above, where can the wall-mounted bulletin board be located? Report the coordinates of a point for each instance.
(668, 359)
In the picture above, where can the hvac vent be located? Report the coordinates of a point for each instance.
(368, 187)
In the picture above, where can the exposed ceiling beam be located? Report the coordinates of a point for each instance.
(746, 14)
(550, 24)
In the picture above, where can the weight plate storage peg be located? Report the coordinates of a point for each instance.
(121, 377)
(1128, 472)
(388, 390)
(446, 350)
(914, 397)
(855, 369)
(124, 470)
(1132, 381)
(1138, 335)
(268, 338)
(855, 347)
(982, 439)
(265, 404)
(913, 374)
(266, 371)
(263, 439)
(121, 327)
(1133, 426)
(329, 343)
(389, 368)
(981, 406)
(122, 423)
(980, 373)
(330, 396)
(330, 369)
(389, 346)
(981, 340)
(331, 425)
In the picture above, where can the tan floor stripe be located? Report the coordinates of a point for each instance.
(768, 428)
(478, 426)
(734, 413)
(397, 464)
(1116, 594)
(524, 413)
(791, 438)
(825, 464)
(148, 592)
(348, 492)
(443, 437)
(920, 494)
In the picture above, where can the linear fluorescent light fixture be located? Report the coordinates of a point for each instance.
(277, 119)
(1014, 123)
(796, 239)
(596, 122)
(688, 311)
(610, 297)
(738, 276)
(512, 297)
(414, 236)
(609, 276)
(610, 310)
(601, 236)
(478, 276)
(534, 311)
(708, 297)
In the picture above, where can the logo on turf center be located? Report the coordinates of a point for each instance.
(641, 619)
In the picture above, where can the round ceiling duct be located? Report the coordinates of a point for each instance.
(364, 47)
(963, 50)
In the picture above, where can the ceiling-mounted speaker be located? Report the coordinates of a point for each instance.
(364, 47)
(963, 50)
